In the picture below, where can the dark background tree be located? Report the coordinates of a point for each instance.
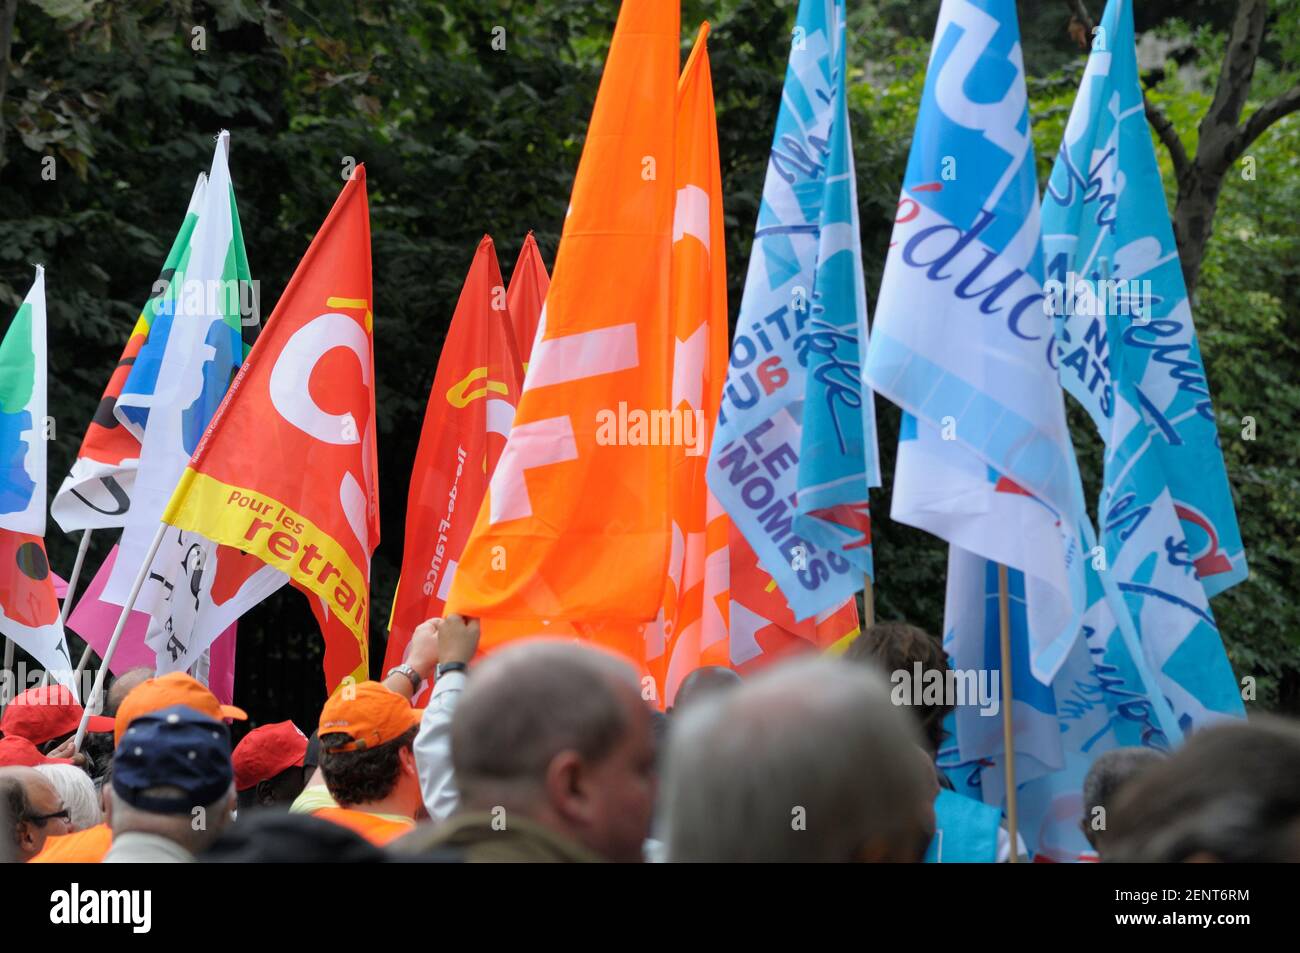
(7, 14)
(1224, 138)
(460, 138)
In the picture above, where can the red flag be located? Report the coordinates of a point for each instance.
(470, 410)
(286, 470)
(763, 629)
(528, 285)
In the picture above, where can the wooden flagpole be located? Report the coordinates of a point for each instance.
(1008, 731)
(868, 603)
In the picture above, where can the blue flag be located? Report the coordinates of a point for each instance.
(1147, 668)
(795, 448)
(1103, 697)
(962, 341)
(1129, 354)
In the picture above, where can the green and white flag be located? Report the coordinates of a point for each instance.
(204, 350)
(29, 609)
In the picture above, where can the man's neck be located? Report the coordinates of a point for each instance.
(162, 841)
(392, 806)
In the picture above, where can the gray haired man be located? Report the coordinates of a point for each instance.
(553, 754)
(807, 762)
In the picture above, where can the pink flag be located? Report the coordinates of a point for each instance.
(221, 666)
(94, 620)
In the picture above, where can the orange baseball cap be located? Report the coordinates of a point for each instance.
(175, 688)
(368, 713)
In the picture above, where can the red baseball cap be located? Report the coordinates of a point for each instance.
(266, 751)
(18, 752)
(45, 712)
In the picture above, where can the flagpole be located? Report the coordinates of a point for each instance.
(81, 662)
(102, 674)
(1008, 733)
(65, 609)
(76, 574)
(868, 603)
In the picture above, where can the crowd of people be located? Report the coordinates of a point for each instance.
(546, 751)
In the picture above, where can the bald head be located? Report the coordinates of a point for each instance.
(559, 733)
(702, 683)
(807, 762)
(122, 686)
(29, 799)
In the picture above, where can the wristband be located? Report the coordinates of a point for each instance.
(446, 668)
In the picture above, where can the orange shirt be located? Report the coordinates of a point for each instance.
(82, 847)
(379, 829)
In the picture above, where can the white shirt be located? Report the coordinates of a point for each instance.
(433, 748)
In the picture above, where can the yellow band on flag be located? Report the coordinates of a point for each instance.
(279, 536)
(840, 646)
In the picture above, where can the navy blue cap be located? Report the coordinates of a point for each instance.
(312, 758)
(176, 747)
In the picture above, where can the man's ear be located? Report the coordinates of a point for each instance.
(406, 758)
(25, 836)
(265, 792)
(566, 787)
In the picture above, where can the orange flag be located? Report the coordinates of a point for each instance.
(527, 294)
(693, 629)
(471, 407)
(575, 522)
(286, 470)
